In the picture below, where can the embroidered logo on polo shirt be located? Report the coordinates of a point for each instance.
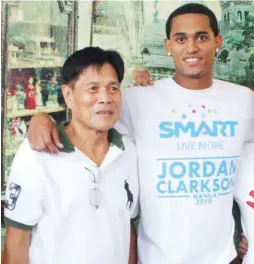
(129, 195)
(10, 202)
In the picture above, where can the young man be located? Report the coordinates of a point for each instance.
(189, 131)
(76, 207)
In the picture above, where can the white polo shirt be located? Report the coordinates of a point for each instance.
(51, 195)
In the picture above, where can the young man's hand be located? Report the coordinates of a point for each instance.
(142, 78)
(243, 246)
(43, 134)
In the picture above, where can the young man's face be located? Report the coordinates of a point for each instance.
(193, 45)
(96, 98)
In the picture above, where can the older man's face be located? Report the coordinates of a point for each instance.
(96, 98)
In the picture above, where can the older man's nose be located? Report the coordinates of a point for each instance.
(104, 97)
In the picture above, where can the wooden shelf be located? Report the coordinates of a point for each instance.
(43, 64)
(27, 112)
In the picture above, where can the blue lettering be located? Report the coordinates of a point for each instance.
(184, 128)
(204, 186)
(216, 185)
(164, 171)
(175, 129)
(170, 190)
(166, 127)
(222, 169)
(159, 187)
(204, 129)
(194, 168)
(232, 125)
(207, 172)
(223, 127)
(232, 169)
(181, 187)
(179, 174)
(224, 184)
(193, 186)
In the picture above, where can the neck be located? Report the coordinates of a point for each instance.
(191, 83)
(92, 143)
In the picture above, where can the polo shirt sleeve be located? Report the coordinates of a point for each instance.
(133, 181)
(23, 197)
(124, 124)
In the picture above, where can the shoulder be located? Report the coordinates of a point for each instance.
(130, 151)
(129, 145)
(145, 90)
(234, 88)
(25, 152)
(26, 157)
(26, 165)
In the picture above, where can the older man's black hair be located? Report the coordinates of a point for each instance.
(193, 8)
(91, 57)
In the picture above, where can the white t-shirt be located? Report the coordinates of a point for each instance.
(188, 143)
(244, 196)
(52, 195)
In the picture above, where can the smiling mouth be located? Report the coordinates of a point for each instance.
(191, 60)
(105, 112)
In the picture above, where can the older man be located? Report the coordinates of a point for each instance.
(76, 207)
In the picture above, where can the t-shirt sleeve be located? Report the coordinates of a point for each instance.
(124, 124)
(23, 197)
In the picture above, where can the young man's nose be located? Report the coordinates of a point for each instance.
(192, 46)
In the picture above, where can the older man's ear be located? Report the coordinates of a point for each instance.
(67, 94)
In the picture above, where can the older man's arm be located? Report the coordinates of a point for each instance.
(17, 244)
(133, 246)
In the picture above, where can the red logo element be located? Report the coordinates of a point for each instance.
(251, 204)
(193, 111)
(203, 106)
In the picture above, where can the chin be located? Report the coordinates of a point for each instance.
(104, 126)
(194, 75)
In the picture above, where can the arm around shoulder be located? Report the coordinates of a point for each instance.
(42, 133)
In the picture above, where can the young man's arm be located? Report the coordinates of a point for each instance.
(133, 245)
(42, 133)
(17, 243)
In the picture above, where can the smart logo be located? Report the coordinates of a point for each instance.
(215, 129)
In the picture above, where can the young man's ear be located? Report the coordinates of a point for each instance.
(219, 40)
(67, 94)
(167, 46)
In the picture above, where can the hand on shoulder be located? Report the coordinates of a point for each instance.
(43, 134)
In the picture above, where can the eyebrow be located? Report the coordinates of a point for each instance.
(110, 83)
(196, 33)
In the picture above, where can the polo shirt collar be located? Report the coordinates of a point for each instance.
(114, 138)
